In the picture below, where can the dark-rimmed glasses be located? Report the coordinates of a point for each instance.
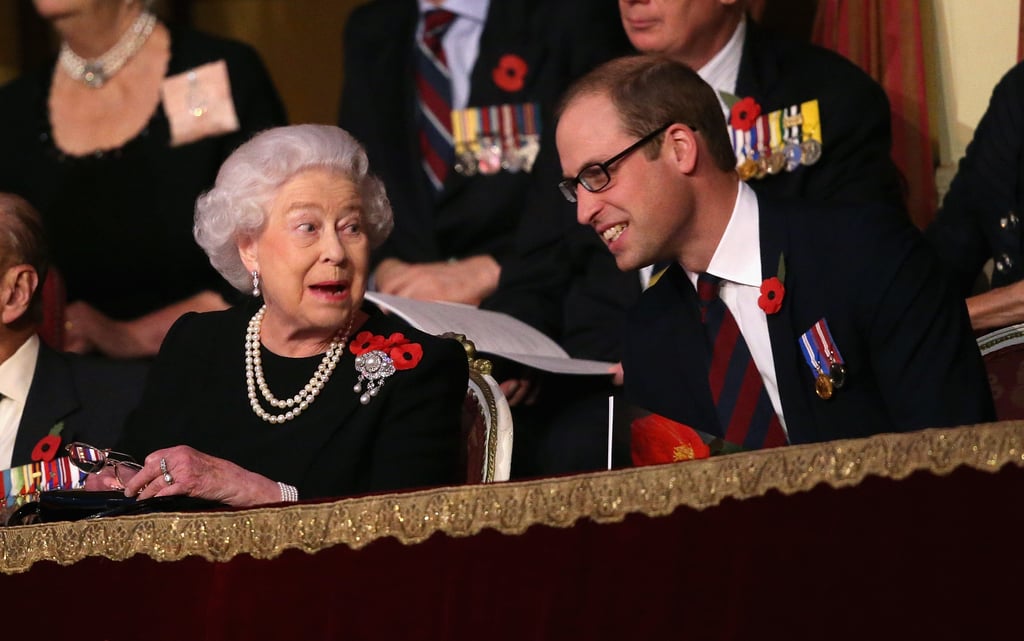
(595, 177)
(92, 460)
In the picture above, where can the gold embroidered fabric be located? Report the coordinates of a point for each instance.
(511, 508)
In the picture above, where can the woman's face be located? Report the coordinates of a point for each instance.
(312, 256)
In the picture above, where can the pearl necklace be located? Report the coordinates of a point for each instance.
(95, 72)
(254, 374)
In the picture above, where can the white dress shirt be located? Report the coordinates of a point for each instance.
(15, 381)
(461, 42)
(737, 261)
(722, 71)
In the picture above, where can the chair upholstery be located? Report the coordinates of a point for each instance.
(1003, 352)
(486, 422)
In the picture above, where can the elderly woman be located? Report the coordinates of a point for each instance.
(309, 392)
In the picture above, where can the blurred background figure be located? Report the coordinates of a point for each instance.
(980, 217)
(291, 219)
(453, 100)
(112, 142)
(40, 389)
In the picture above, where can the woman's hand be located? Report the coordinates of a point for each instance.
(200, 475)
(105, 479)
(468, 281)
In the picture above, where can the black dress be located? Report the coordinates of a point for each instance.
(406, 436)
(120, 221)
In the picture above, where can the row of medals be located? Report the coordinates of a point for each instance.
(489, 157)
(788, 158)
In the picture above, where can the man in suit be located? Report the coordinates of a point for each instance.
(452, 236)
(845, 328)
(565, 283)
(739, 59)
(41, 389)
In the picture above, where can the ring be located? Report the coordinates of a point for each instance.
(68, 325)
(168, 479)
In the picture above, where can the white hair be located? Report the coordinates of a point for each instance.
(247, 182)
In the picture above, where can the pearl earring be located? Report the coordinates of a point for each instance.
(255, 284)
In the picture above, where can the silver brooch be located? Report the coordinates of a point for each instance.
(373, 367)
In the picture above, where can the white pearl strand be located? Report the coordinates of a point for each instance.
(254, 374)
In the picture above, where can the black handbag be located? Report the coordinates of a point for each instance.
(75, 505)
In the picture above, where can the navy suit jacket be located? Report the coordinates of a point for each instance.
(900, 326)
(981, 215)
(93, 397)
(558, 39)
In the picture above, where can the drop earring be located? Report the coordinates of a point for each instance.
(255, 284)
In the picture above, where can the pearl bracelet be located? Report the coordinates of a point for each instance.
(289, 493)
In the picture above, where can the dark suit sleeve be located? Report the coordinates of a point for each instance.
(418, 441)
(150, 426)
(926, 360)
(984, 189)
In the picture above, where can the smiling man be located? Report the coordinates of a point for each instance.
(768, 327)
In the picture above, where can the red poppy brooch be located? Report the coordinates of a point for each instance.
(510, 74)
(377, 358)
(773, 290)
(656, 439)
(744, 113)
(47, 447)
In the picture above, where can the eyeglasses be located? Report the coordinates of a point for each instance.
(595, 177)
(92, 460)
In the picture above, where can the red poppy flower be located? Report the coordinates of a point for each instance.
(510, 74)
(396, 339)
(656, 439)
(46, 448)
(744, 114)
(366, 342)
(406, 356)
(772, 293)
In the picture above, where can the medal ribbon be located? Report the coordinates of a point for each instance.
(811, 121)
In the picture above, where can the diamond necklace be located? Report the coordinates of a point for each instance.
(254, 374)
(95, 72)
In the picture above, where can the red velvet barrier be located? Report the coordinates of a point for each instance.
(936, 557)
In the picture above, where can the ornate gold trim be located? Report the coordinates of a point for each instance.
(511, 508)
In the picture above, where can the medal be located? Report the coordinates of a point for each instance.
(747, 169)
(465, 163)
(837, 374)
(792, 153)
(776, 162)
(810, 151)
(823, 386)
(489, 158)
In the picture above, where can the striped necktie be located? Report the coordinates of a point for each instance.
(745, 411)
(434, 90)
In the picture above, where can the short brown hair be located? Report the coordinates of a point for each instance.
(23, 241)
(649, 91)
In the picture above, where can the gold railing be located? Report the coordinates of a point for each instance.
(510, 508)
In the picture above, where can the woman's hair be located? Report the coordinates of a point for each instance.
(248, 181)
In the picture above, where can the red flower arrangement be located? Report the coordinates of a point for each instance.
(656, 439)
(510, 74)
(772, 293)
(403, 354)
(744, 114)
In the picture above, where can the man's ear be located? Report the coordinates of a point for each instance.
(17, 286)
(247, 250)
(683, 145)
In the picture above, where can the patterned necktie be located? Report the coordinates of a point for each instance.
(434, 90)
(745, 412)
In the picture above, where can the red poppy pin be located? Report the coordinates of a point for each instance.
(656, 439)
(744, 114)
(47, 447)
(510, 74)
(377, 358)
(773, 290)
